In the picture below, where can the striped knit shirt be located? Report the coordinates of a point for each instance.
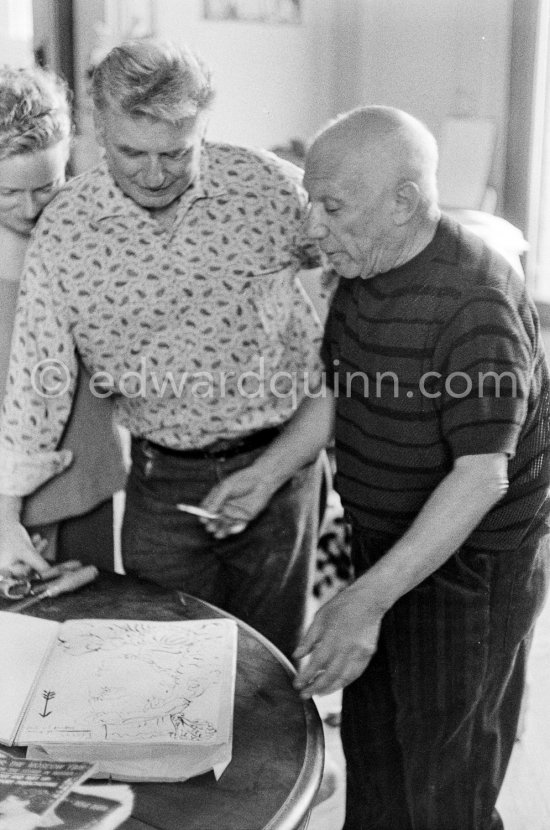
(434, 360)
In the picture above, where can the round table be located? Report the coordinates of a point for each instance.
(278, 751)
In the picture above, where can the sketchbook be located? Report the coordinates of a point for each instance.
(145, 701)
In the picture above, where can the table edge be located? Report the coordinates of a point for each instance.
(300, 799)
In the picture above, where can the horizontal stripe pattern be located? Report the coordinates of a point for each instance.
(434, 360)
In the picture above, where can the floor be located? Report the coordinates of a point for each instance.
(524, 802)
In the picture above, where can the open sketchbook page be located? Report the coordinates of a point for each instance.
(135, 682)
(24, 645)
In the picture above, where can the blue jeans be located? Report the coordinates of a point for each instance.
(263, 575)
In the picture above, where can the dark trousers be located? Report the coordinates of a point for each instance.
(429, 727)
(262, 575)
(88, 537)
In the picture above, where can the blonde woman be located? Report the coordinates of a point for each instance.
(70, 514)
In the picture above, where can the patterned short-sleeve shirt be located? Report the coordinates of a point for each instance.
(200, 332)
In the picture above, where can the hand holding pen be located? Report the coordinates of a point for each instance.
(237, 499)
(213, 521)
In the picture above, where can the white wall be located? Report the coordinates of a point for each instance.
(431, 57)
(88, 16)
(274, 82)
(15, 43)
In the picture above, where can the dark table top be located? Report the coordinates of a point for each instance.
(277, 739)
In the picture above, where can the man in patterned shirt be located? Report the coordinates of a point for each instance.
(171, 271)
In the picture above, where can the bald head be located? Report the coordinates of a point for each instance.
(371, 180)
(379, 142)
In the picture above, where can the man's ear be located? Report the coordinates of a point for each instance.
(407, 198)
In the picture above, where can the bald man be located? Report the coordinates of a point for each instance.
(438, 387)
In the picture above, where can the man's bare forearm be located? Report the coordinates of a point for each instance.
(344, 633)
(18, 554)
(448, 518)
(305, 435)
(240, 497)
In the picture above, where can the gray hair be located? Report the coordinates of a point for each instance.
(35, 110)
(154, 78)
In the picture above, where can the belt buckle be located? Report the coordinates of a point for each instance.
(219, 448)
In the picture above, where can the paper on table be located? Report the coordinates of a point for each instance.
(101, 807)
(145, 700)
(145, 764)
(148, 701)
(134, 682)
(30, 790)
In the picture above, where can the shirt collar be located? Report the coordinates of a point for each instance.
(444, 245)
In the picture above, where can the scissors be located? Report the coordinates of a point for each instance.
(19, 587)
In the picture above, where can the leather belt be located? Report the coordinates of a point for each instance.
(219, 449)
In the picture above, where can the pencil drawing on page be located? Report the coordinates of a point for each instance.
(132, 681)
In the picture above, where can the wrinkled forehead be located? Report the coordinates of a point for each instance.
(118, 120)
(333, 169)
(141, 133)
(322, 155)
(325, 167)
(347, 167)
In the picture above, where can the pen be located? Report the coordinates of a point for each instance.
(69, 581)
(197, 511)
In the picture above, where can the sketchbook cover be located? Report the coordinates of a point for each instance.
(25, 643)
